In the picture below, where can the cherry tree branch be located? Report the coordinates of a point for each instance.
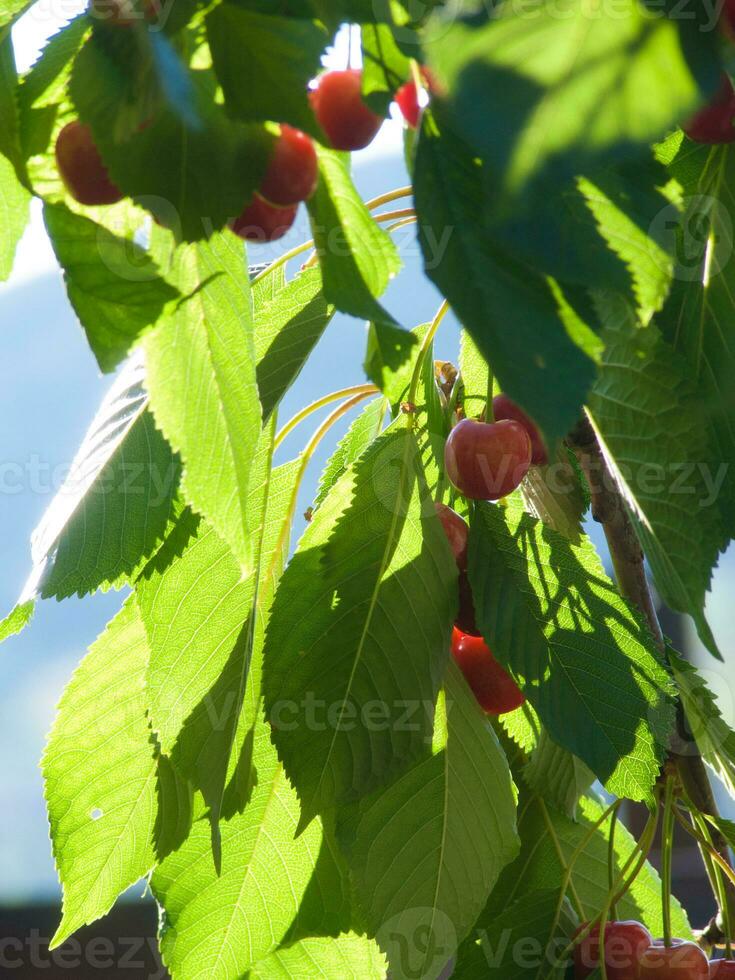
(610, 510)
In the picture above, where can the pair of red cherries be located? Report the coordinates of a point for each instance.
(631, 953)
(485, 461)
(495, 690)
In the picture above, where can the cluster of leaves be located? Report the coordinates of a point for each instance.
(279, 741)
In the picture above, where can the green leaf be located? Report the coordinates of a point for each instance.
(288, 325)
(567, 86)
(219, 925)
(697, 320)
(101, 776)
(553, 493)
(554, 619)
(384, 66)
(361, 434)
(527, 935)
(357, 257)
(44, 107)
(114, 286)
(517, 320)
(426, 851)
(10, 10)
(265, 63)
(602, 230)
(667, 477)
(557, 776)
(548, 841)
(201, 377)
(14, 197)
(361, 622)
(118, 502)
(714, 738)
(17, 619)
(349, 957)
(474, 370)
(389, 359)
(219, 162)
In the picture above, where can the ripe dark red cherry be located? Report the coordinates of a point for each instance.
(292, 171)
(722, 969)
(486, 461)
(262, 222)
(457, 533)
(625, 944)
(680, 961)
(337, 103)
(506, 408)
(81, 168)
(714, 123)
(494, 688)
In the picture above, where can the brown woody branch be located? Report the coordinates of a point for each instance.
(610, 510)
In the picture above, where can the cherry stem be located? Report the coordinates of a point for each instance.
(489, 412)
(389, 196)
(642, 848)
(667, 847)
(356, 393)
(423, 351)
(611, 859)
(715, 865)
(576, 854)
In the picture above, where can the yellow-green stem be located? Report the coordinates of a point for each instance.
(357, 392)
(667, 847)
(425, 347)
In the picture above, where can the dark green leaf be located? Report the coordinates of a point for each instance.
(551, 615)
(699, 316)
(667, 477)
(527, 936)
(264, 64)
(567, 85)
(532, 341)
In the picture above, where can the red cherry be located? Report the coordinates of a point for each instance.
(262, 222)
(293, 169)
(457, 533)
(680, 961)
(714, 123)
(625, 944)
(466, 620)
(506, 408)
(344, 117)
(407, 98)
(722, 969)
(494, 688)
(486, 461)
(81, 168)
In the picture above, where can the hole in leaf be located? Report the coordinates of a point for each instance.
(96, 813)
